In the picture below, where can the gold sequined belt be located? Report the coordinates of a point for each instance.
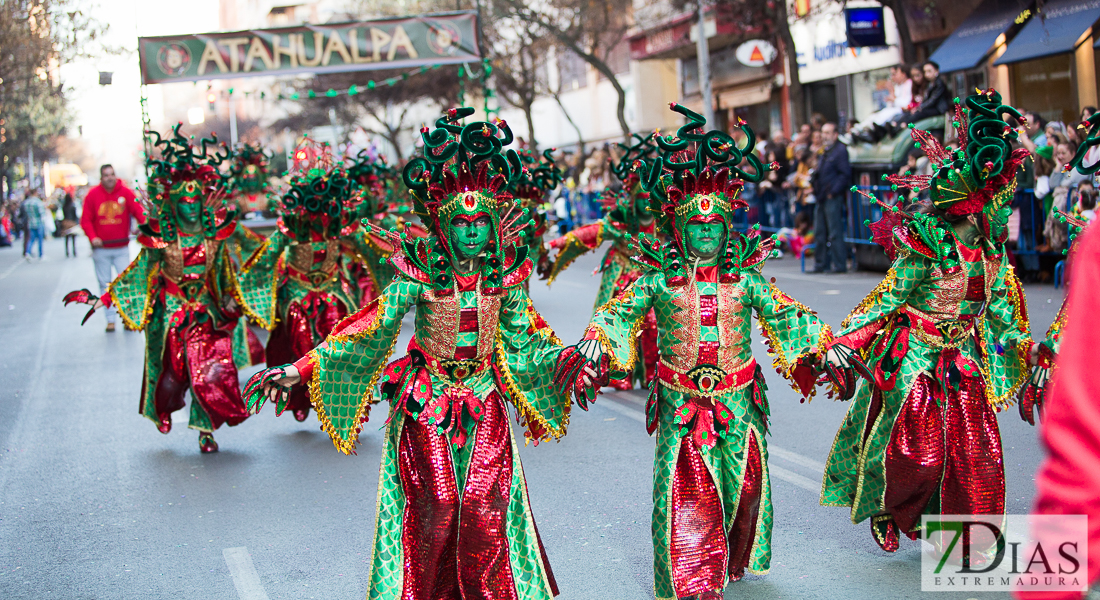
(313, 278)
(450, 368)
(706, 380)
(942, 333)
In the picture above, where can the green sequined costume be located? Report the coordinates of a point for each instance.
(944, 339)
(712, 506)
(454, 518)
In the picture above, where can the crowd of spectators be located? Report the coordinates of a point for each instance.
(27, 218)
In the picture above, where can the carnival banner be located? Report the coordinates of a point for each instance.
(401, 42)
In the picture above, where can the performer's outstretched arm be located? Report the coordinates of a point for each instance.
(526, 351)
(341, 373)
(795, 335)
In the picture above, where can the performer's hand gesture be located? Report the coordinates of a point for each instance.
(841, 364)
(270, 384)
(84, 297)
(1033, 395)
(580, 371)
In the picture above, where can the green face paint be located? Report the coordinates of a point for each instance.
(704, 240)
(469, 238)
(189, 212)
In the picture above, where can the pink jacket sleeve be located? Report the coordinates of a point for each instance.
(1068, 481)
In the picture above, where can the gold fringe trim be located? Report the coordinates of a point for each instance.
(355, 337)
(347, 446)
(147, 310)
(873, 298)
(247, 265)
(528, 413)
(571, 242)
(779, 359)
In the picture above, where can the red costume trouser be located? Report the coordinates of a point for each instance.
(200, 356)
(306, 325)
(703, 551)
(944, 447)
(455, 541)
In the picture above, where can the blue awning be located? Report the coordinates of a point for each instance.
(1058, 33)
(968, 45)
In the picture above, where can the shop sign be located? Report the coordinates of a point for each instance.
(756, 53)
(821, 44)
(866, 26)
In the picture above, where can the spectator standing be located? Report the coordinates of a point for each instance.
(1062, 183)
(69, 222)
(830, 182)
(36, 213)
(108, 208)
(1035, 129)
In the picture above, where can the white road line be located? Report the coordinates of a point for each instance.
(798, 459)
(12, 268)
(794, 478)
(245, 577)
(778, 472)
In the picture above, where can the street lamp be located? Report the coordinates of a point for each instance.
(195, 116)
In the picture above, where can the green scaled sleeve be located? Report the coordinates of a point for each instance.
(904, 276)
(794, 333)
(576, 244)
(616, 323)
(244, 244)
(347, 366)
(526, 353)
(133, 291)
(258, 281)
(1005, 338)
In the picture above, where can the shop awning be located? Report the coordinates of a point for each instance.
(969, 44)
(1065, 22)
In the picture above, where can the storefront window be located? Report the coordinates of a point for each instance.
(1045, 86)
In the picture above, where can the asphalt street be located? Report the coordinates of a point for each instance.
(96, 504)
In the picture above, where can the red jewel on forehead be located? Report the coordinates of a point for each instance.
(707, 219)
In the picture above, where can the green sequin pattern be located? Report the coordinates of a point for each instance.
(855, 472)
(793, 331)
(347, 368)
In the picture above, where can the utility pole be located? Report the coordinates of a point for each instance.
(703, 51)
(30, 166)
(232, 119)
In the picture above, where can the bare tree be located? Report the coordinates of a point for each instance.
(386, 105)
(519, 57)
(36, 37)
(591, 29)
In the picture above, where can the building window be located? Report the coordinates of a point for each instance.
(1045, 86)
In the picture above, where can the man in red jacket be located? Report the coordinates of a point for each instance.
(108, 208)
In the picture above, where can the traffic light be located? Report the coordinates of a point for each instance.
(210, 98)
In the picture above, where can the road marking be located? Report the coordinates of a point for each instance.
(245, 577)
(817, 467)
(12, 268)
(791, 477)
(794, 478)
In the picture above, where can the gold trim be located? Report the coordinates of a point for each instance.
(147, 311)
(779, 359)
(572, 240)
(528, 413)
